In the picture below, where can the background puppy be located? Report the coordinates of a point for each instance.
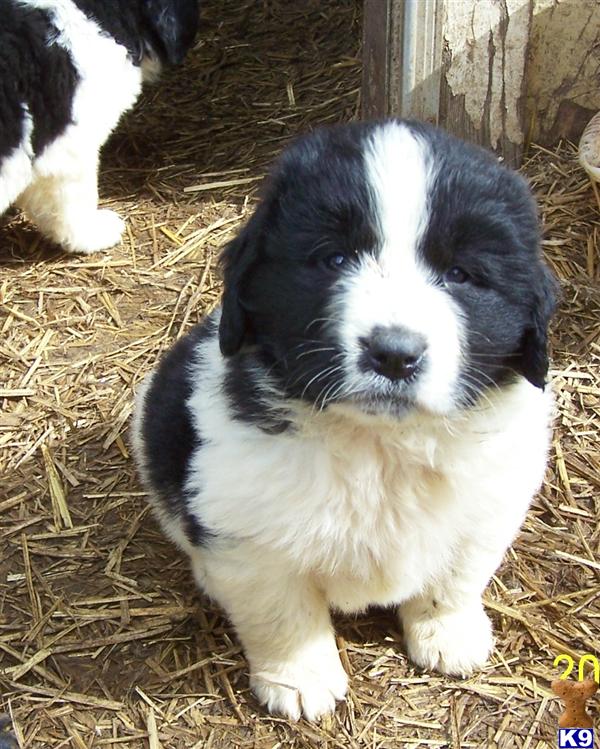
(68, 71)
(364, 421)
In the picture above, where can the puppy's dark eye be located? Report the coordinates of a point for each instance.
(456, 275)
(334, 261)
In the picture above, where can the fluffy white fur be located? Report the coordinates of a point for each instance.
(58, 190)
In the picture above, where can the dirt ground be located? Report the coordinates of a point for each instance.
(104, 641)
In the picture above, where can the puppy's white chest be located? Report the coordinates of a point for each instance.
(372, 513)
(371, 525)
(399, 530)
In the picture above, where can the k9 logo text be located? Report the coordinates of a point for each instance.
(574, 737)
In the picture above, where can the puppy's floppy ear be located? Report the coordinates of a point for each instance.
(534, 347)
(237, 260)
(173, 24)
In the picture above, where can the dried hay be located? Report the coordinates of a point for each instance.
(104, 641)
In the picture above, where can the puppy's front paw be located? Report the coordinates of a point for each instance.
(455, 643)
(98, 231)
(300, 688)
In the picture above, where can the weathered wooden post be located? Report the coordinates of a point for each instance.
(497, 72)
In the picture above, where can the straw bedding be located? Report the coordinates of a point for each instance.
(104, 642)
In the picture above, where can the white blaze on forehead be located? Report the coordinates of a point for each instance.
(398, 166)
(393, 286)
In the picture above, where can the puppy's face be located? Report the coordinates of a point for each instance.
(390, 267)
(171, 26)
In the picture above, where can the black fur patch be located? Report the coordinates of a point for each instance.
(168, 433)
(34, 73)
(247, 398)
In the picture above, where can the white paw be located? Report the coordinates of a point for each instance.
(299, 688)
(455, 643)
(98, 231)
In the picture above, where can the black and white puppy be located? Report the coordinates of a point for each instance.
(68, 70)
(365, 419)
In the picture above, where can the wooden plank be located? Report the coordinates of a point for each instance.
(376, 58)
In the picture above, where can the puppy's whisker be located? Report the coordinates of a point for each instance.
(318, 376)
(306, 342)
(321, 319)
(493, 357)
(306, 373)
(321, 397)
(478, 392)
(481, 335)
(450, 425)
(315, 351)
(471, 369)
(324, 392)
(337, 391)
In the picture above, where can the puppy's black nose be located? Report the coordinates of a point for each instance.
(395, 352)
